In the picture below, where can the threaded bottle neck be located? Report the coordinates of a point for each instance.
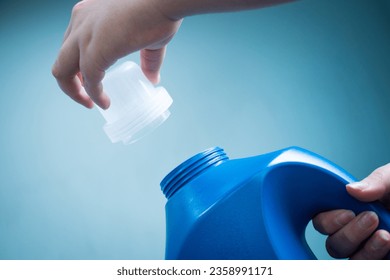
(190, 169)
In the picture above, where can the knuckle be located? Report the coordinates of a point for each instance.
(381, 174)
(77, 7)
(380, 180)
(342, 244)
(91, 75)
(56, 71)
(377, 176)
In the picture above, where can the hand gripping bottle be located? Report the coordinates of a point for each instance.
(252, 208)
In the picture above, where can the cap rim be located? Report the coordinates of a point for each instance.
(134, 122)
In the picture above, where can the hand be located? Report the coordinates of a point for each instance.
(102, 31)
(356, 237)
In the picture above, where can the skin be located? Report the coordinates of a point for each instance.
(356, 236)
(102, 31)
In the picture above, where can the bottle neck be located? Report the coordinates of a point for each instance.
(190, 169)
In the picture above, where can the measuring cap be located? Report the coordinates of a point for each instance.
(137, 107)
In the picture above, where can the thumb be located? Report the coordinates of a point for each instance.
(375, 186)
(151, 61)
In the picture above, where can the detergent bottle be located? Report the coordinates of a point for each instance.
(253, 208)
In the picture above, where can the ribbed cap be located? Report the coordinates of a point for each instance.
(137, 107)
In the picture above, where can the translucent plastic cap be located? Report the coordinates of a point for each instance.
(137, 107)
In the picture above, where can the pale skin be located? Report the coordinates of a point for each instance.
(102, 31)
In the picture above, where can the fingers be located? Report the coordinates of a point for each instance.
(151, 61)
(85, 88)
(77, 86)
(375, 186)
(332, 221)
(92, 81)
(354, 237)
(65, 71)
(351, 237)
(347, 240)
(375, 248)
(76, 68)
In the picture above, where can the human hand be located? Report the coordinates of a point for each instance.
(102, 31)
(356, 237)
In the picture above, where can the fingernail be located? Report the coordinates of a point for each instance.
(367, 220)
(381, 241)
(358, 185)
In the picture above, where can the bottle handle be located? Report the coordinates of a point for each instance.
(294, 192)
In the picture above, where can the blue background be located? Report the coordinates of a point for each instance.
(312, 73)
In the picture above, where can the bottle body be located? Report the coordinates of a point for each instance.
(254, 208)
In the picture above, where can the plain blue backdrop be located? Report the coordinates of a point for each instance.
(312, 73)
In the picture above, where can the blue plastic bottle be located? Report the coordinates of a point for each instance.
(252, 208)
